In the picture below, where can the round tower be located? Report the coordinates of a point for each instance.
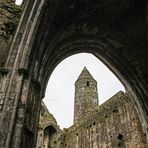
(86, 95)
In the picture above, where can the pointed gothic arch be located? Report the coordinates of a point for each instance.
(50, 31)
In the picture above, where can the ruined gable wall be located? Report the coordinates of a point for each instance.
(114, 124)
(46, 136)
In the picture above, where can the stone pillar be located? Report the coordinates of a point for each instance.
(40, 138)
(19, 89)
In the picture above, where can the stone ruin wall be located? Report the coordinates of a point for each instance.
(114, 124)
(9, 18)
(45, 135)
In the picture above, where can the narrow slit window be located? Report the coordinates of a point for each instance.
(87, 83)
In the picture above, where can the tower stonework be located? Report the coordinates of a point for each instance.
(86, 95)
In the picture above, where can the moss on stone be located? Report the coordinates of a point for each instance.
(46, 117)
(9, 17)
(99, 114)
(10, 14)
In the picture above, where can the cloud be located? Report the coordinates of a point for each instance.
(19, 2)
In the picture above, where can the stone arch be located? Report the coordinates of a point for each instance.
(48, 33)
(51, 124)
(106, 55)
(45, 136)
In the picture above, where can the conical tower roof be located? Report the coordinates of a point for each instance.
(85, 74)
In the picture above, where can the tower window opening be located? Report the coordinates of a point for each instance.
(87, 83)
(120, 137)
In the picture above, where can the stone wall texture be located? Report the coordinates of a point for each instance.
(114, 124)
(9, 17)
(86, 95)
(48, 129)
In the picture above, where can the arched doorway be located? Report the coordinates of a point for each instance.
(48, 134)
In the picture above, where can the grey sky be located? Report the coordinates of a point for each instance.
(18, 2)
(60, 90)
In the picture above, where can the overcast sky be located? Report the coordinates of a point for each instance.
(60, 90)
(18, 2)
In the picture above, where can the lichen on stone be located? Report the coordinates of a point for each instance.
(46, 117)
(9, 18)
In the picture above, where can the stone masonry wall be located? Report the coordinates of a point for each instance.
(86, 95)
(9, 17)
(48, 129)
(115, 124)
